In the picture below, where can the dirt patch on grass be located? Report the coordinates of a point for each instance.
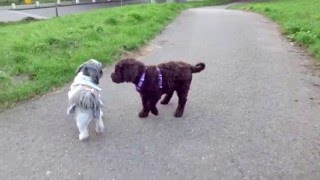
(19, 79)
(141, 53)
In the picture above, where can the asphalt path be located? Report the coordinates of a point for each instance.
(253, 113)
(50, 12)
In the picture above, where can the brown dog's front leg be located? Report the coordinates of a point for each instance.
(153, 106)
(143, 113)
(154, 110)
(145, 110)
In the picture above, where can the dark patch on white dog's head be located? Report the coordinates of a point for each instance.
(93, 69)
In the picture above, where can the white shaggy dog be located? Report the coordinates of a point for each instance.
(85, 98)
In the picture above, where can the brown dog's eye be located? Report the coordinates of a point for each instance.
(118, 69)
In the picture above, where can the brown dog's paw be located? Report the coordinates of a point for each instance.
(154, 111)
(164, 102)
(143, 114)
(178, 114)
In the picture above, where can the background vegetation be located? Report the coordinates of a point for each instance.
(299, 19)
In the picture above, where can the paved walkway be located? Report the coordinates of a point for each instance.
(48, 10)
(8, 15)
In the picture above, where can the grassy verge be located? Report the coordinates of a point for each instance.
(37, 57)
(299, 19)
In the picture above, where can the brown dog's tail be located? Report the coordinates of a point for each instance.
(198, 67)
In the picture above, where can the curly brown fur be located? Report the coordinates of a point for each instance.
(177, 76)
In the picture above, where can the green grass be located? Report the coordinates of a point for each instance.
(299, 20)
(36, 57)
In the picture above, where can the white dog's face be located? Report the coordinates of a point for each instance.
(93, 69)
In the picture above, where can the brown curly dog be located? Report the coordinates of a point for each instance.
(154, 81)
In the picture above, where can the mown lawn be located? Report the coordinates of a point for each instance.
(36, 57)
(299, 19)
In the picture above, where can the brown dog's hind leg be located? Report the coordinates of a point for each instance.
(182, 95)
(167, 98)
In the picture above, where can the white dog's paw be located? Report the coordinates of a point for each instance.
(99, 126)
(83, 136)
(99, 129)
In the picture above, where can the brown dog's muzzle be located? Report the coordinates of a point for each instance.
(115, 78)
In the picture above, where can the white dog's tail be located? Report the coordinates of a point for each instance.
(88, 100)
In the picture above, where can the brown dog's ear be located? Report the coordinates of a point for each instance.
(130, 74)
(131, 69)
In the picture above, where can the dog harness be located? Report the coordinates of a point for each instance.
(142, 78)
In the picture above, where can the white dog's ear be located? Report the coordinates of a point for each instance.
(79, 68)
(100, 73)
(71, 109)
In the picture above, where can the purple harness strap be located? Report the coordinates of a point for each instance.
(142, 78)
(159, 78)
(139, 86)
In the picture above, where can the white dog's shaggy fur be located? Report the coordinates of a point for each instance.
(85, 98)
